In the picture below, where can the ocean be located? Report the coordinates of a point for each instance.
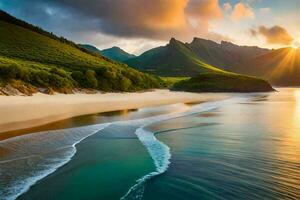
(246, 146)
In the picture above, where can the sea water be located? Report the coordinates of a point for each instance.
(244, 147)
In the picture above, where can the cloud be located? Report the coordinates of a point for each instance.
(241, 11)
(155, 19)
(227, 6)
(204, 9)
(273, 35)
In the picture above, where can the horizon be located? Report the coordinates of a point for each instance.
(245, 23)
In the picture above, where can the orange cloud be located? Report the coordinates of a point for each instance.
(162, 15)
(205, 9)
(274, 35)
(242, 10)
(155, 19)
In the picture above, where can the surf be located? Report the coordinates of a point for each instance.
(160, 152)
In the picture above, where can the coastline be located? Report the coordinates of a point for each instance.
(22, 112)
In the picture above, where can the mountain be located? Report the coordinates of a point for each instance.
(32, 56)
(90, 48)
(117, 54)
(174, 59)
(114, 53)
(225, 55)
(281, 67)
(188, 59)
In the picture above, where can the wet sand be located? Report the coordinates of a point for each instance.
(19, 112)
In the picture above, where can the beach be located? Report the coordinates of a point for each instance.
(123, 155)
(21, 112)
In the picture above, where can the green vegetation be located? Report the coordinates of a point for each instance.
(179, 59)
(170, 81)
(222, 82)
(175, 59)
(39, 58)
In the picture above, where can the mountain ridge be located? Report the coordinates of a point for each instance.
(248, 60)
(173, 59)
(114, 53)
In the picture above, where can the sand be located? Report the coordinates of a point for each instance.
(20, 112)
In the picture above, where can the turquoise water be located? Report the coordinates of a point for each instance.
(244, 147)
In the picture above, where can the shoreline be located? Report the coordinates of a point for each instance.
(25, 112)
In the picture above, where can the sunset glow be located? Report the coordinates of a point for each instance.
(296, 43)
(264, 23)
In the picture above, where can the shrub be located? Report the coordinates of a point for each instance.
(91, 81)
(79, 77)
(125, 84)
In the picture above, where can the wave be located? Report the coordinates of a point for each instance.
(160, 152)
(37, 157)
(44, 152)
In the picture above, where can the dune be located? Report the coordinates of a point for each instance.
(20, 112)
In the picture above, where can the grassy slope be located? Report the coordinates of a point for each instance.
(222, 82)
(39, 54)
(21, 43)
(212, 53)
(170, 81)
(90, 48)
(175, 59)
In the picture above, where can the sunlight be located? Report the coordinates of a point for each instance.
(296, 43)
(286, 64)
(297, 109)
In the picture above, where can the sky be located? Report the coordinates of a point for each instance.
(139, 25)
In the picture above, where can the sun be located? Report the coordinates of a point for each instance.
(296, 43)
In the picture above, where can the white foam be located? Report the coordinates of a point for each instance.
(160, 152)
(20, 186)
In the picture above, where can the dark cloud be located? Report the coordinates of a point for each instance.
(155, 19)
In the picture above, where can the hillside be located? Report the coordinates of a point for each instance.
(222, 82)
(281, 67)
(41, 59)
(174, 59)
(189, 59)
(225, 55)
(90, 48)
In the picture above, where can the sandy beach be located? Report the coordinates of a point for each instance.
(20, 112)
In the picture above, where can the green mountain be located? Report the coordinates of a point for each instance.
(117, 54)
(281, 67)
(38, 58)
(174, 59)
(90, 48)
(189, 59)
(179, 59)
(114, 53)
(225, 55)
(222, 82)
